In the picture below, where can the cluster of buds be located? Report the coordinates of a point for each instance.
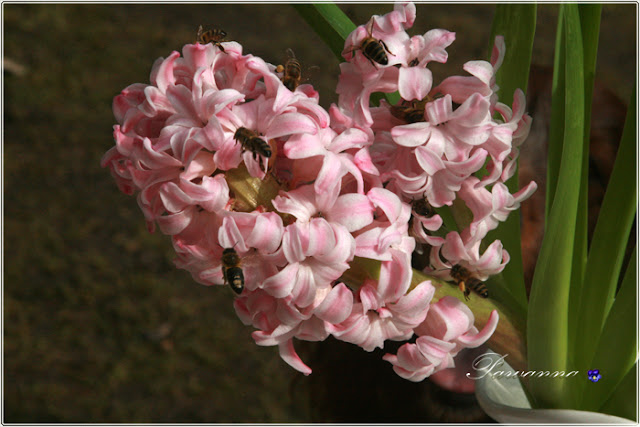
(311, 215)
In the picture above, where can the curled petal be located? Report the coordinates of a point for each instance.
(267, 233)
(288, 124)
(476, 340)
(337, 305)
(384, 199)
(174, 223)
(281, 284)
(411, 135)
(448, 319)
(289, 355)
(162, 72)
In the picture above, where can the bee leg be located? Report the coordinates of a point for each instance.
(384, 45)
(353, 50)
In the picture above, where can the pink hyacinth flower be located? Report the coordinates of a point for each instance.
(447, 329)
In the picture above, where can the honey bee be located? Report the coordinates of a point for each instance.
(373, 49)
(407, 113)
(467, 283)
(215, 36)
(292, 72)
(410, 112)
(423, 208)
(252, 142)
(231, 270)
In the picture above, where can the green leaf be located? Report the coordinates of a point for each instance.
(624, 401)
(329, 22)
(609, 242)
(556, 127)
(619, 333)
(547, 326)
(517, 23)
(590, 26)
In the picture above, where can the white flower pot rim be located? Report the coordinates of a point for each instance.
(504, 400)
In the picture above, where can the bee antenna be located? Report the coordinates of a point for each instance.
(370, 30)
(290, 53)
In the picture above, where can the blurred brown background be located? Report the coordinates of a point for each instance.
(99, 326)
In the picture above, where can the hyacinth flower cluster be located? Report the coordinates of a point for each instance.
(326, 224)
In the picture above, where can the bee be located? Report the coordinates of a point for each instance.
(252, 142)
(410, 112)
(215, 36)
(407, 113)
(467, 283)
(292, 72)
(231, 270)
(373, 49)
(423, 208)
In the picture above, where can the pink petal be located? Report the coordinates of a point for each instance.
(439, 110)
(304, 145)
(281, 284)
(354, 211)
(337, 305)
(175, 223)
(429, 161)
(481, 69)
(414, 83)
(472, 341)
(350, 138)
(299, 202)
(447, 319)
(162, 74)
(436, 41)
(267, 232)
(411, 135)
(497, 54)
(384, 199)
(414, 305)
(289, 355)
(290, 123)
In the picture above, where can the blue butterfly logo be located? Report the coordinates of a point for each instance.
(594, 375)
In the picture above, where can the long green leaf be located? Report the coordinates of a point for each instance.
(329, 21)
(624, 401)
(556, 127)
(609, 241)
(619, 332)
(590, 26)
(547, 326)
(517, 23)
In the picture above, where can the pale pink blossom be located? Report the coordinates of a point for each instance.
(348, 180)
(447, 329)
(467, 254)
